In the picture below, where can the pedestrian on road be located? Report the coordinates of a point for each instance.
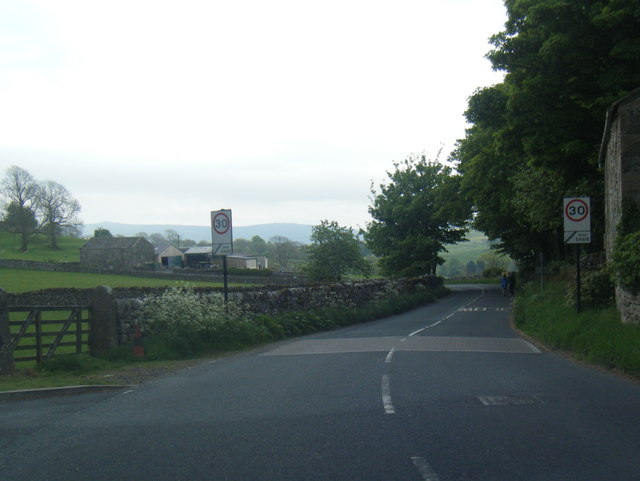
(504, 283)
(512, 284)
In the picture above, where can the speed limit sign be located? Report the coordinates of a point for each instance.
(221, 232)
(577, 220)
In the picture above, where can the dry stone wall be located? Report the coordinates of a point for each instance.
(128, 301)
(187, 275)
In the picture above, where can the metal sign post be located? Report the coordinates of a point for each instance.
(577, 230)
(222, 240)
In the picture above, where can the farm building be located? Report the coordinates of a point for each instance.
(197, 257)
(169, 257)
(117, 252)
(245, 262)
(201, 257)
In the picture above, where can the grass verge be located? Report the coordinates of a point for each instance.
(596, 336)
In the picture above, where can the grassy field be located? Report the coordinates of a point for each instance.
(19, 280)
(471, 250)
(39, 249)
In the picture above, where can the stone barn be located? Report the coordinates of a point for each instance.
(117, 253)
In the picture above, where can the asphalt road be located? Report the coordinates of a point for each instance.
(446, 392)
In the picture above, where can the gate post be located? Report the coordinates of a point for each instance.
(6, 354)
(104, 320)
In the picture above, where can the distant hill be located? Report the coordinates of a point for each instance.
(294, 232)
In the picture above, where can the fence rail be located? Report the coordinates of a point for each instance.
(40, 338)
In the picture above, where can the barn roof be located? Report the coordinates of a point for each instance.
(113, 242)
(198, 250)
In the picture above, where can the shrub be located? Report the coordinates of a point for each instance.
(181, 323)
(596, 291)
(492, 272)
(625, 262)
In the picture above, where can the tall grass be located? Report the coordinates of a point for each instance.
(594, 335)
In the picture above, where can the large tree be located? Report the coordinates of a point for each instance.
(19, 197)
(283, 251)
(534, 138)
(57, 209)
(21, 221)
(334, 251)
(258, 246)
(416, 214)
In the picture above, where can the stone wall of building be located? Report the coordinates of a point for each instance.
(620, 154)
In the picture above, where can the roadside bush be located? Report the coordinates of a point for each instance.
(492, 272)
(180, 310)
(596, 291)
(181, 323)
(626, 261)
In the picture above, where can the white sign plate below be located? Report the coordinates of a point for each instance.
(583, 237)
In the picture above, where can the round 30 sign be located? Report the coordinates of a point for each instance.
(576, 210)
(221, 223)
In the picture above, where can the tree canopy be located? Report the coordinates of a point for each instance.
(534, 138)
(334, 252)
(415, 214)
(30, 206)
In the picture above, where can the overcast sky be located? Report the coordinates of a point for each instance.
(157, 112)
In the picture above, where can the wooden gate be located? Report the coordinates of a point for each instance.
(45, 331)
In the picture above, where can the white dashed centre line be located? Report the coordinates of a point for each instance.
(390, 355)
(426, 471)
(386, 396)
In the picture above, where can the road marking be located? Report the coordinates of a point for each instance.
(463, 308)
(425, 470)
(533, 347)
(513, 345)
(509, 400)
(484, 309)
(390, 355)
(427, 327)
(416, 332)
(386, 395)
